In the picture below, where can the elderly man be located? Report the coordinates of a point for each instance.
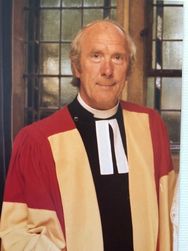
(96, 175)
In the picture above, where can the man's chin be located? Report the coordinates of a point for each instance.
(105, 104)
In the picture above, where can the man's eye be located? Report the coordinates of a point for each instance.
(118, 59)
(96, 57)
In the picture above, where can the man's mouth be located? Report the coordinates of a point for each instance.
(106, 85)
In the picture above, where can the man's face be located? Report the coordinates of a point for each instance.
(103, 65)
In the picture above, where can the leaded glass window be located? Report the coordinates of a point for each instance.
(165, 64)
(50, 28)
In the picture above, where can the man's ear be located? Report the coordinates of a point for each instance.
(76, 70)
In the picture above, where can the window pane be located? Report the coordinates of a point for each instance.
(68, 91)
(49, 92)
(154, 22)
(69, 25)
(50, 3)
(65, 61)
(153, 55)
(171, 1)
(93, 3)
(168, 1)
(113, 2)
(50, 25)
(173, 20)
(151, 92)
(72, 3)
(172, 121)
(172, 55)
(90, 15)
(113, 14)
(159, 23)
(49, 59)
(171, 93)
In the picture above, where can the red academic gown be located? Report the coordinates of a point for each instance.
(50, 200)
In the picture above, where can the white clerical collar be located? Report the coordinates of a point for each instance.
(105, 149)
(101, 114)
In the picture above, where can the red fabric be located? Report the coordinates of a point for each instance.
(32, 175)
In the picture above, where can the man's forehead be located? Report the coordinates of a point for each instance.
(106, 44)
(103, 42)
(103, 25)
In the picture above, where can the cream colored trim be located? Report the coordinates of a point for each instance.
(23, 228)
(81, 212)
(166, 190)
(144, 206)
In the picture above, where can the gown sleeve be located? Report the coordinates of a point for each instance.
(166, 177)
(175, 217)
(31, 216)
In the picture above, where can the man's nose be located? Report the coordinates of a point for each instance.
(107, 68)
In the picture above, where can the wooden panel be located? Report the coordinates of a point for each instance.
(136, 86)
(18, 66)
